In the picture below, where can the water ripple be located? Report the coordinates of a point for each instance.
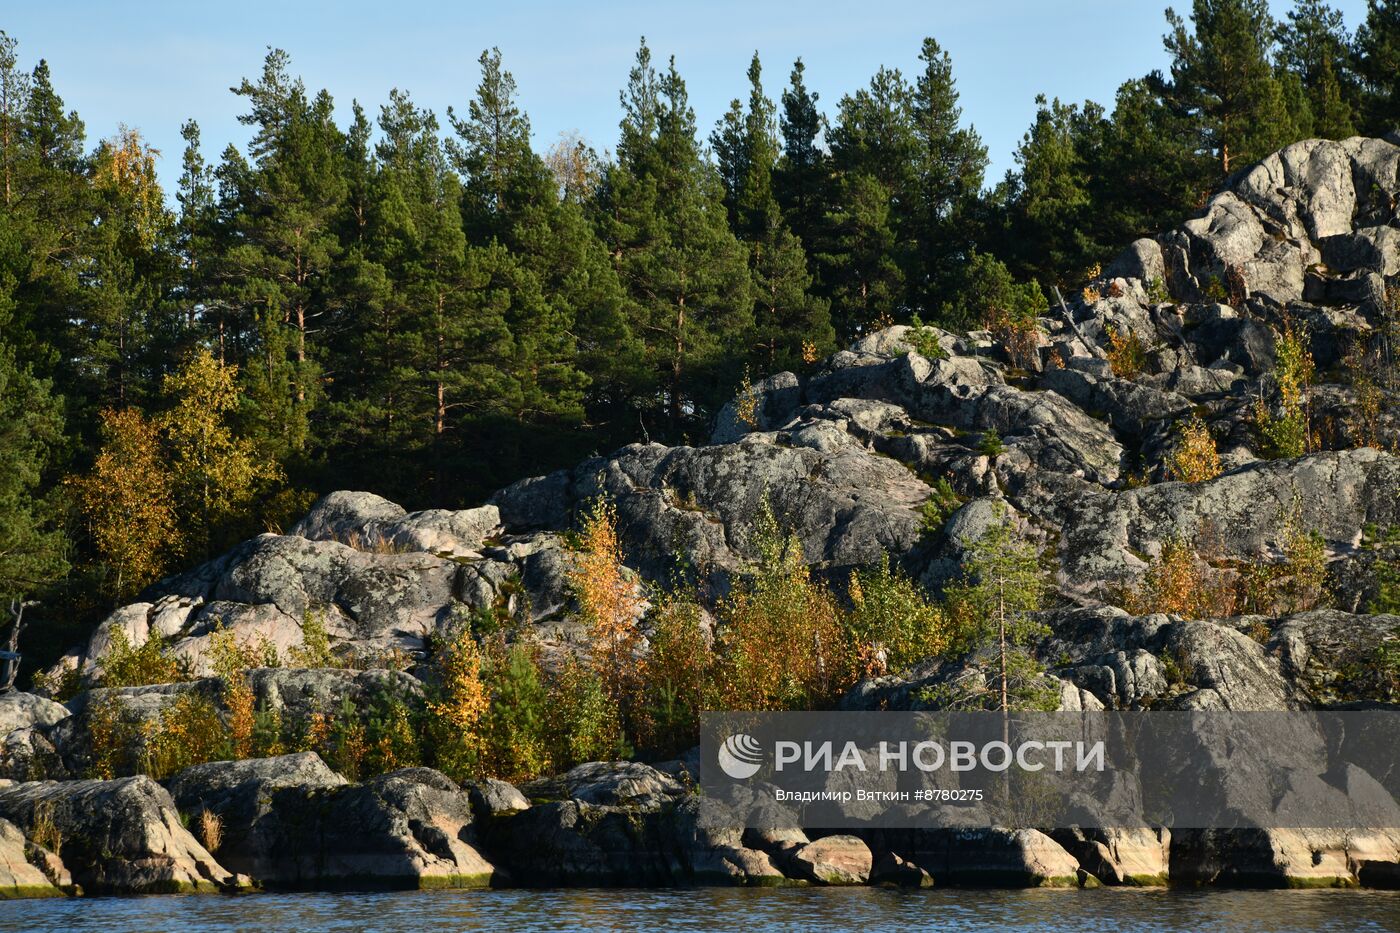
(749, 910)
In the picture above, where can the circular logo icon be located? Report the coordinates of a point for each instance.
(740, 756)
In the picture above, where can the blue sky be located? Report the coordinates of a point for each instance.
(152, 65)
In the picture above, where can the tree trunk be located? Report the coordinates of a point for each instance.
(1001, 620)
(17, 607)
(677, 360)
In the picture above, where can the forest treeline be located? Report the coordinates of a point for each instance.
(425, 306)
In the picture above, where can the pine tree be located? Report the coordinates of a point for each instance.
(31, 429)
(289, 200)
(125, 333)
(1315, 47)
(875, 135)
(664, 219)
(359, 177)
(1222, 77)
(746, 147)
(1002, 586)
(728, 143)
(570, 319)
(789, 322)
(1149, 171)
(862, 246)
(948, 164)
(444, 318)
(14, 97)
(195, 237)
(48, 215)
(1055, 219)
(493, 152)
(792, 326)
(858, 265)
(1378, 64)
(802, 173)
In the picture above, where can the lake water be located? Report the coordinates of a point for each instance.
(750, 910)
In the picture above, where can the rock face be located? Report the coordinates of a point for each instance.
(608, 783)
(26, 752)
(1134, 857)
(625, 824)
(1287, 858)
(835, 860)
(368, 522)
(845, 503)
(492, 798)
(291, 822)
(118, 837)
(243, 795)
(1107, 659)
(18, 877)
(989, 857)
(26, 710)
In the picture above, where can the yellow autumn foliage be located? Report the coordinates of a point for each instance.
(128, 501)
(609, 603)
(1196, 459)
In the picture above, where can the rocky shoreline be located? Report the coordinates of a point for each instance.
(291, 824)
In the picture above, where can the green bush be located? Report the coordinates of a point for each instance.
(392, 727)
(894, 619)
(150, 663)
(1157, 293)
(990, 444)
(516, 743)
(924, 340)
(989, 293)
(315, 649)
(674, 675)
(940, 505)
(1386, 600)
(586, 724)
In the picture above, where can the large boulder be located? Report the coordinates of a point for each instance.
(492, 798)
(241, 794)
(1287, 858)
(296, 694)
(1330, 656)
(19, 877)
(765, 406)
(376, 602)
(1133, 857)
(291, 822)
(657, 842)
(1230, 670)
(989, 857)
(26, 710)
(345, 513)
(30, 754)
(847, 506)
(608, 783)
(834, 860)
(367, 522)
(118, 837)
(1241, 514)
